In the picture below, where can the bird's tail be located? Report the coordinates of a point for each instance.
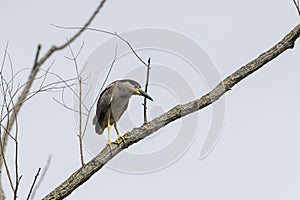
(98, 128)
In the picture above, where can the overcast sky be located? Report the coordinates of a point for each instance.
(257, 153)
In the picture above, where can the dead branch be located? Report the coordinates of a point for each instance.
(137, 134)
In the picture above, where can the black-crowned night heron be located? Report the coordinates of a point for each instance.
(112, 103)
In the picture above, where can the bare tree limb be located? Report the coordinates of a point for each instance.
(137, 134)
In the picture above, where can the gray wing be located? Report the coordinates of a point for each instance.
(103, 105)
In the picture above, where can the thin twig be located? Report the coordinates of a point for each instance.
(296, 3)
(7, 169)
(38, 184)
(109, 71)
(146, 90)
(11, 71)
(80, 123)
(20, 101)
(109, 33)
(33, 184)
(4, 56)
(6, 90)
(17, 178)
(3, 88)
(66, 106)
(84, 26)
(70, 88)
(17, 187)
(80, 101)
(107, 75)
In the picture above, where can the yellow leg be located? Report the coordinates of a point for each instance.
(108, 130)
(116, 128)
(108, 133)
(119, 136)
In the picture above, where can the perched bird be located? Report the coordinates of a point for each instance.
(112, 103)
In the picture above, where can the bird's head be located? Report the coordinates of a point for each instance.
(135, 88)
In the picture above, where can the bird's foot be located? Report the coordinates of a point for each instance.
(118, 138)
(109, 144)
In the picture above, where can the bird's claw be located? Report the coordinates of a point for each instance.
(118, 138)
(109, 144)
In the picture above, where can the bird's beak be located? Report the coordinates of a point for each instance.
(141, 92)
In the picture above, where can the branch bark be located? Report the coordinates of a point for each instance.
(137, 134)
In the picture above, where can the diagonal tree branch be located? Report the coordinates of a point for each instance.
(137, 134)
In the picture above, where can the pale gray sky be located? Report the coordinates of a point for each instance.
(257, 156)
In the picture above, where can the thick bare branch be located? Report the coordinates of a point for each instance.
(137, 134)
